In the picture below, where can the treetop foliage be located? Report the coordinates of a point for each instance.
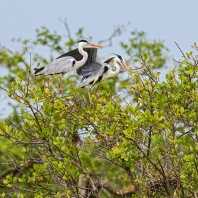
(137, 139)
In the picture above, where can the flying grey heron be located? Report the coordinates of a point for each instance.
(66, 62)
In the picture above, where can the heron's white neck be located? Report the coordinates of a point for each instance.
(84, 59)
(112, 73)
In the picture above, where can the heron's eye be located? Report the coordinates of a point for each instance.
(88, 42)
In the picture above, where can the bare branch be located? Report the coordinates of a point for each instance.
(177, 61)
(17, 171)
(117, 32)
(180, 50)
(65, 23)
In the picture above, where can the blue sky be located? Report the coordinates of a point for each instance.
(170, 20)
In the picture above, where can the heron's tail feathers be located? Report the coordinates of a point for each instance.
(38, 71)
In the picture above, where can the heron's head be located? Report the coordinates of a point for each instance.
(120, 60)
(87, 44)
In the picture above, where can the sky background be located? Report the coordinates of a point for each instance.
(170, 20)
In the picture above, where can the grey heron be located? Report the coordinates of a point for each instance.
(94, 67)
(101, 70)
(66, 62)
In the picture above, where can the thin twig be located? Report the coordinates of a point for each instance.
(177, 61)
(66, 27)
(117, 32)
(180, 50)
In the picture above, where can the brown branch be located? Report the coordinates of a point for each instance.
(6, 49)
(166, 183)
(147, 157)
(157, 186)
(146, 72)
(87, 175)
(177, 61)
(149, 140)
(180, 50)
(109, 186)
(34, 114)
(66, 27)
(17, 171)
(82, 183)
(24, 189)
(117, 32)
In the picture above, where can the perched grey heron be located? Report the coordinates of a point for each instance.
(66, 63)
(101, 70)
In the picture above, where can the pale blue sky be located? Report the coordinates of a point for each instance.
(168, 20)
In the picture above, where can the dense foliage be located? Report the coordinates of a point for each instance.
(141, 142)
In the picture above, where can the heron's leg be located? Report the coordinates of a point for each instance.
(95, 93)
(89, 94)
(61, 85)
(61, 90)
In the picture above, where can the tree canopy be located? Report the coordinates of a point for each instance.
(139, 138)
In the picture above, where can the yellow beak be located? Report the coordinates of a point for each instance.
(95, 45)
(125, 66)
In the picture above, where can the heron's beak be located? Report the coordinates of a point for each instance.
(125, 66)
(96, 45)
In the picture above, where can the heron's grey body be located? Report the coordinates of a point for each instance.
(69, 61)
(63, 65)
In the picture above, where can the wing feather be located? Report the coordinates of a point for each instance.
(74, 53)
(87, 70)
(108, 60)
(95, 76)
(92, 55)
(61, 65)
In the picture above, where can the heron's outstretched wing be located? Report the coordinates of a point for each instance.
(108, 60)
(61, 65)
(87, 70)
(74, 53)
(95, 66)
(92, 54)
(95, 76)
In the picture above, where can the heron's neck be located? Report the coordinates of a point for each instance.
(116, 72)
(84, 59)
